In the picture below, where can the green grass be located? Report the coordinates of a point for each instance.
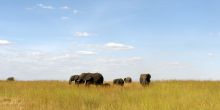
(160, 95)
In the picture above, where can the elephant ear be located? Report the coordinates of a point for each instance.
(76, 77)
(71, 79)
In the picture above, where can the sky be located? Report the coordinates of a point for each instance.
(52, 40)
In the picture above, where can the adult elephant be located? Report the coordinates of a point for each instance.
(73, 78)
(98, 79)
(91, 78)
(118, 81)
(127, 80)
(145, 79)
(10, 79)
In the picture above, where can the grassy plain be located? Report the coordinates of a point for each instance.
(160, 95)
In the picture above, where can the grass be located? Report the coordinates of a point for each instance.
(160, 95)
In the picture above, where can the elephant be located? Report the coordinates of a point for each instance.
(90, 78)
(73, 78)
(82, 76)
(118, 81)
(127, 80)
(98, 78)
(145, 79)
(10, 79)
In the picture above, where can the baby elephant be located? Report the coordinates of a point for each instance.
(118, 81)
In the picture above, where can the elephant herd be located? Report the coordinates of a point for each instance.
(98, 79)
(87, 79)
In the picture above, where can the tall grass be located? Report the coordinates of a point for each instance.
(160, 95)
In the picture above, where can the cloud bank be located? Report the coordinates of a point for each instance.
(45, 6)
(82, 34)
(118, 46)
(4, 42)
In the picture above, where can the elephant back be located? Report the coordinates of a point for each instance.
(82, 77)
(98, 78)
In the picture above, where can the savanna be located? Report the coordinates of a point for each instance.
(159, 95)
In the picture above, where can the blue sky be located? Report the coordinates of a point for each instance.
(172, 39)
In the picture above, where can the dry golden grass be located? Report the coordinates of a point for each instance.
(160, 95)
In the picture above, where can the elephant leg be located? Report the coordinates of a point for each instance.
(87, 83)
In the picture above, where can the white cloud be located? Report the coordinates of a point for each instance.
(40, 57)
(45, 6)
(82, 34)
(29, 64)
(75, 11)
(64, 18)
(65, 8)
(35, 53)
(118, 46)
(38, 64)
(64, 56)
(86, 52)
(176, 63)
(135, 59)
(211, 54)
(4, 42)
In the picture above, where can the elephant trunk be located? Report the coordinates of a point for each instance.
(70, 81)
